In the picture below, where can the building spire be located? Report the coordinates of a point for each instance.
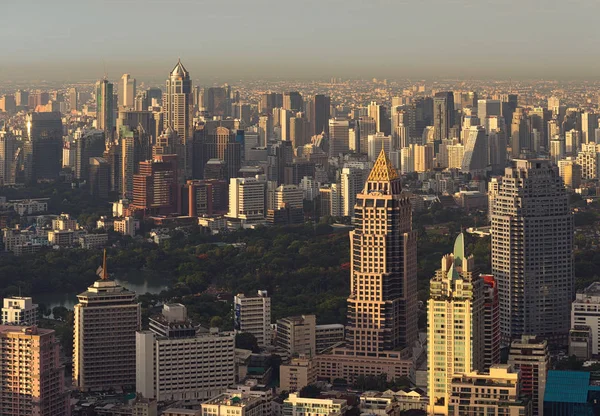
(102, 270)
(382, 169)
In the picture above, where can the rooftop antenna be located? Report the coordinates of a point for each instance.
(104, 64)
(104, 275)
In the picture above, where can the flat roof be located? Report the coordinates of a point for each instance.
(567, 386)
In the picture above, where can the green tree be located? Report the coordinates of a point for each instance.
(310, 392)
(246, 341)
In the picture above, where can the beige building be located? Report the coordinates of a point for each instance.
(497, 393)
(570, 172)
(125, 226)
(18, 310)
(327, 336)
(300, 406)
(176, 362)
(235, 405)
(296, 335)
(106, 320)
(298, 373)
(382, 306)
(423, 157)
(181, 412)
(455, 325)
(32, 377)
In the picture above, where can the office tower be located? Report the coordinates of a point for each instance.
(501, 396)
(112, 155)
(177, 110)
(106, 320)
(407, 159)
(339, 137)
(295, 405)
(265, 130)
(456, 154)
(487, 108)
(105, 108)
(99, 177)
(497, 155)
(423, 157)
(22, 98)
(378, 142)
(205, 197)
(127, 91)
(252, 314)
(352, 180)
(573, 142)
(378, 113)
(553, 129)
(299, 131)
(520, 131)
(382, 319)
(128, 161)
(247, 199)
(589, 160)
(443, 115)
(269, 101)
(156, 186)
(19, 310)
(215, 169)
(293, 101)
(319, 114)
(296, 335)
(8, 158)
(284, 123)
(175, 361)
(33, 377)
(589, 124)
(570, 172)
(366, 127)
(90, 144)
(8, 104)
(455, 322)
(331, 200)
(532, 251)
(280, 155)
(45, 151)
(557, 149)
(539, 118)
(475, 159)
(491, 322)
(585, 310)
(216, 101)
(73, 99)
(530, 355)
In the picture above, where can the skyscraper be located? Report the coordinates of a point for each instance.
(156, 186)
(443, 116)
(177, 108)
(73, 99)
(33, 378)
(44, 155)
(320, 113)
(106, 320)
(253, 316)
(8, 162)
(532, 251)
(455, 324)
(382, 306)
(293, 101)
(105, 108)
(338, 137)
(127, 91)
(475, 159)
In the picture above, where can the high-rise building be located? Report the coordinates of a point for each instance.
(19, 310)
(73, 99)
(90, 144)
(247, 199)
(296, 335)
(319, 114)
(105, 119)
(486, 108)
(177, 109)
(99, 177)
(127, 91)
(297, 374)
(43, 156)
(295, 405)
(252, 314)
(589, 160)
(491, 311)
(339, 137)
(520, 132)
(22, 98)
(531, 357)
(378, 113)
(455, 325)
(589, 124)
(33, 377)
(570, 172)
(382, 320)
(156, 186)
(573, 142)
(205, 197)
(175, 361)
(378, 142)
(585, 310)
(106, 320)
(443, 115)
(423, 157)
(293, 101)
(532, 251)
(8, 158)
(352, 180)
(475, 158)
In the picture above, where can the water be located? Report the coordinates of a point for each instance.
(68, 300)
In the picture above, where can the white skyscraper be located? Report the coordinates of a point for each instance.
(127, 91)
(352, 180)
(247, 199)
(252, 314)
(376, 142)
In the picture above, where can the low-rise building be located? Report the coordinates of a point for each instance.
(30, 206)
(585, 310)
(328, 335)
(234, 405)
(126, 226)
(296, 335)
(298, 373)
(89, 241)
(295, 405)
(580, 342)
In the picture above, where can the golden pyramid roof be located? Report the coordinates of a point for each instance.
(382, 169)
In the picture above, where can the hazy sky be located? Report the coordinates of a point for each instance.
(74, 39)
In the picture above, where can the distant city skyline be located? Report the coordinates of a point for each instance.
(235, 39)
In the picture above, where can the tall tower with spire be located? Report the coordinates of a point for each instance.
(178, 114)
(455, 325)
(106, 320)
(382, 306)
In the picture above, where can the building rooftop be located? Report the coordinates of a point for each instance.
(238, 400)
(28, 330)
(592, 290)
(567, 386)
